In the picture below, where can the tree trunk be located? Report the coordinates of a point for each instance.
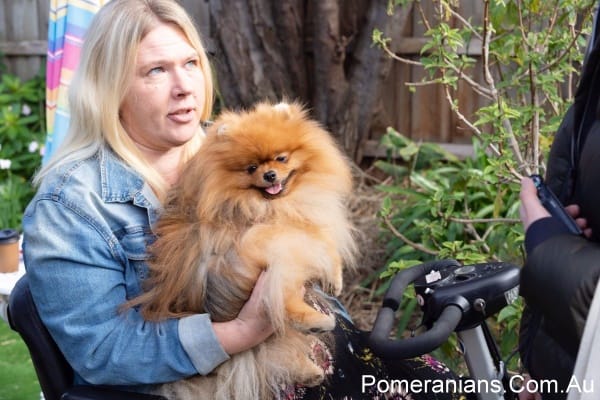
(317, 52)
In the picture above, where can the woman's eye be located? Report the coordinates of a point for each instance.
(281, 159)
(155, 70)
(251, 169)
(192, 63)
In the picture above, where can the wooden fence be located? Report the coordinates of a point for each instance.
(23, 33)
(422, 114)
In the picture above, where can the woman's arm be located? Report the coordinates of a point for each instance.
(561, 272)
(78, 276)
(559, 279)
(251, 326)
(78, 281)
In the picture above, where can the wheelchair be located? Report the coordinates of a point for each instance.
(53, 371)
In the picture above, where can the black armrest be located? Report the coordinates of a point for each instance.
(105, 393)
(54, 372)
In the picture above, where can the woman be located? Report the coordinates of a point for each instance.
(137, 101)
(138, 97)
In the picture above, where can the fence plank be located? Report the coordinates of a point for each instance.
(21, 23)
(3, 17)
(24, 48)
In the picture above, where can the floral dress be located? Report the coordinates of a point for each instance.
(354, 372)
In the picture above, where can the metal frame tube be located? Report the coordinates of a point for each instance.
(479, 361)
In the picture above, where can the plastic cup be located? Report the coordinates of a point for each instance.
(9, 250)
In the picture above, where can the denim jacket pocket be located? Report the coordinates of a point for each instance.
(135, 243)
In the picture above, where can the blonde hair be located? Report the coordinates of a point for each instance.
(107, 61)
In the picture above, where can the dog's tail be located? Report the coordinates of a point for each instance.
(241, 378)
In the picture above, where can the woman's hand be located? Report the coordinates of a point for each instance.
(574, 211)
(526, 394)
(532, 209)
(251, 327)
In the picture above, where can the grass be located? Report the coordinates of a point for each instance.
(17, 376)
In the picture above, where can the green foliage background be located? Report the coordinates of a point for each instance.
(22, 135)
(438, 206)
(17, 376)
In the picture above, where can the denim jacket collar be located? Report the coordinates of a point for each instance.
(121, 184)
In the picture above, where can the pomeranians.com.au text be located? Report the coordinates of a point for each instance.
(517, 384)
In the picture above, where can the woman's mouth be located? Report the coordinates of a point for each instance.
(182, 116)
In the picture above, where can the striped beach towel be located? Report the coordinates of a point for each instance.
(68, 21)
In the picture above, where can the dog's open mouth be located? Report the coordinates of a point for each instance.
(275, 189)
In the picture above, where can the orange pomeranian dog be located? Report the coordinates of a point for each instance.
(266, 191)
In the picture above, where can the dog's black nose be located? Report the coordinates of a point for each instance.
(270, 176)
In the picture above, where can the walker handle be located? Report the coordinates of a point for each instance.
(426, 342)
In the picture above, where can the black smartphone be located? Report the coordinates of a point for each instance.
(553, 205)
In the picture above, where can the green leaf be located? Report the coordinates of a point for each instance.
(507, 312)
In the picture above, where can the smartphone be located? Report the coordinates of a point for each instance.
(553, 205)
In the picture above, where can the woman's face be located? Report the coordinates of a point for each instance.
(162, 106)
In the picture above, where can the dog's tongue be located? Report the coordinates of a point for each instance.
(275, 189)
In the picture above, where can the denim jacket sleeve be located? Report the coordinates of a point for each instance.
(80, 275)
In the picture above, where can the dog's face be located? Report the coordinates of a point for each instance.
(265, 152)
(250, 161)
(271, 175)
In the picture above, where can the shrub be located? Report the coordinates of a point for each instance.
(441, 207)
(22, 134)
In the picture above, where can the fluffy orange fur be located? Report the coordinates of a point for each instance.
(266, 191)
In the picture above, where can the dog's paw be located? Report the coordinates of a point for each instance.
(316, 323)
(334, 281)
(338, 285)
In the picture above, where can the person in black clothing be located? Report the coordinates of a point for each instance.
(560, 275)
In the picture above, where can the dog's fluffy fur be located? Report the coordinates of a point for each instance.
(266, 191)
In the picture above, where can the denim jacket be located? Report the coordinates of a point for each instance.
(85, 237)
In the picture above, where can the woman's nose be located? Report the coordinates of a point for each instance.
(182, 83)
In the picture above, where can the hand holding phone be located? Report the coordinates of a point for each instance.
(553, 205)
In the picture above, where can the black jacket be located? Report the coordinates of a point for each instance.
(561, 272)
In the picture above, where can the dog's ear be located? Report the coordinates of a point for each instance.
(221, 129)
(283, 108)
(217, 129)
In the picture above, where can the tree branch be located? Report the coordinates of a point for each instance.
(406, 240)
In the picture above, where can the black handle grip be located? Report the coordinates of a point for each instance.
(405, 348)
(414, 346)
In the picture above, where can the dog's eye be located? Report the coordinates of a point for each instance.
(251, 168)
(281, 159)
